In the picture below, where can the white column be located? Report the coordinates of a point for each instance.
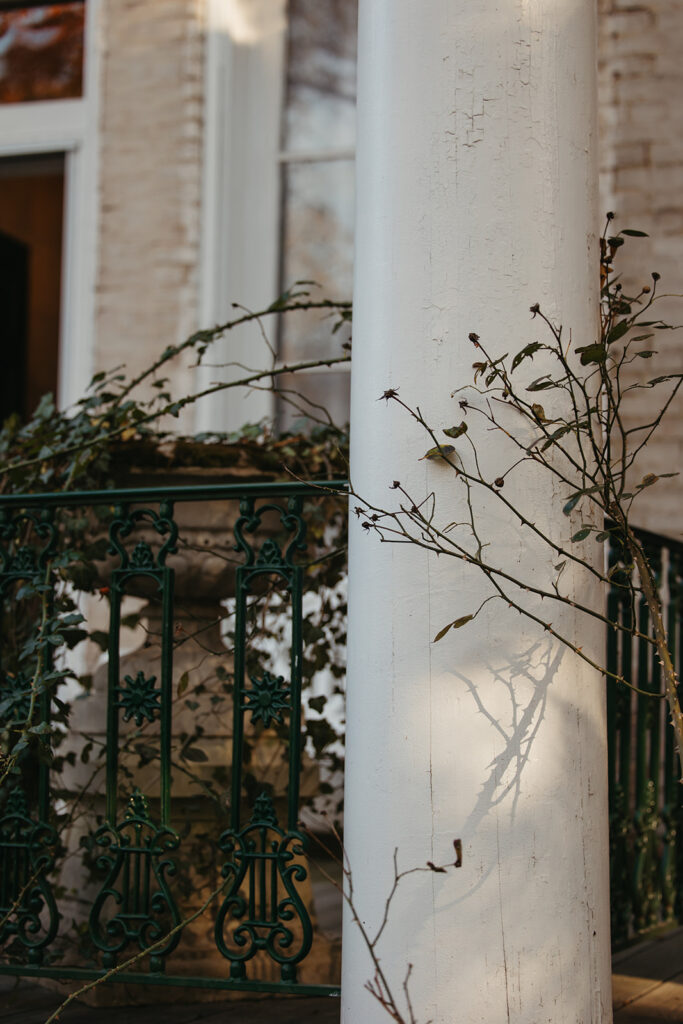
(476, 185)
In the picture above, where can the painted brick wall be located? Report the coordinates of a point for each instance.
(641, 165)
(151, 132)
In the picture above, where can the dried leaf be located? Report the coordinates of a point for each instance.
(440, 452)
(456, 624)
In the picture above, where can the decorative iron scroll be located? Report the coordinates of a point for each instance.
(19, 559)
(262, 909)
(28, 913)
(135, 903)
(262, 919)
(142, 557)
(137, 696)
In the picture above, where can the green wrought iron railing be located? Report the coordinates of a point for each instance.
(131, 889)
(646, 799)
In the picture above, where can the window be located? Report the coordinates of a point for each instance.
(278, 194)
(41, 51)
(31, 204)
(317, 185)
(48, 195)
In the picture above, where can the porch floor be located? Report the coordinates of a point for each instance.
(647, 984)
(647, 981)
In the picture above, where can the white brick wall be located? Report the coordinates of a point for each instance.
(151, 130)
(641, 165)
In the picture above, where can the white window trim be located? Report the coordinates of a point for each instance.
(69, 127)
(245, 49)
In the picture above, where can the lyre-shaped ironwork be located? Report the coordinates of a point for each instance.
(28, 912)
(263, 909)
(135, 904)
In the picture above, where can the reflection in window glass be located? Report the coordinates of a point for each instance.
(41, 52)
(321, 74)
(317, 246)
(317, 217)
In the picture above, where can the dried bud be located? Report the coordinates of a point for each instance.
(610, 215)
(396, 483)
(535, 309)
(499, 481)
(474, 338)
(655, 275)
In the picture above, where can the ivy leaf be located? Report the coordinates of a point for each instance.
(456, 624)
(593, 353)
(456, 431)
(194, 754)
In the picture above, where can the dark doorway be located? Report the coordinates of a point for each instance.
(31, 216)
(13, 325)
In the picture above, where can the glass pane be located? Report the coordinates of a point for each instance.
(318, 397)
(321, 74)
(41, 52)
(317, 246)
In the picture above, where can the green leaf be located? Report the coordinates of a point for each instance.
(647, 354)
(618, 331)
(99, 637)
(582, 533)
(526, 353)
(634, 234)
(592, 354)
(183, 683)
(456, 624)
(602, 536)
(456, 431)
(194, 754)
(572, 503)
(540, 384)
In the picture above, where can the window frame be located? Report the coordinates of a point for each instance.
(243, 169)
(70, 127)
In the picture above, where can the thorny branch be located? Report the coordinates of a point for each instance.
(583, 443)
